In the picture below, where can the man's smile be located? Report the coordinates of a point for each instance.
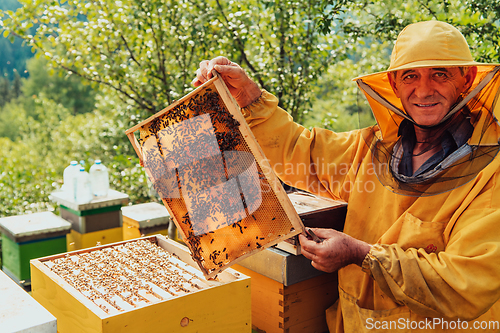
(426, 105)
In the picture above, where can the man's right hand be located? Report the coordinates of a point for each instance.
(242, 88)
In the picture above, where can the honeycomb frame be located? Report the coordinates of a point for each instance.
(220, 190)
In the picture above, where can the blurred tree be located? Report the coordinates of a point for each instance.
(31, 167)
(478, 20)
(12, 55)
(12, 118)
(148, 50)
(9, 90)
(4, 91)
(57, 85)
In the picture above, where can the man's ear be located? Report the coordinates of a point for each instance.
(470, 76)
(391, 76)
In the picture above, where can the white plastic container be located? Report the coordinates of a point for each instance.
(69, 176)
(99, 179)
(83, 192)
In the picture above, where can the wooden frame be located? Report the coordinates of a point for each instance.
(193, 312)
(222, 241)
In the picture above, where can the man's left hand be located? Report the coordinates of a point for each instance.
(335, 251)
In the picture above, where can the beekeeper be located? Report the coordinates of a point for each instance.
(421, 242)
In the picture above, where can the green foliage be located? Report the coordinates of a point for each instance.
(148, 51)
(279, 44)
(479, 21)
(61, 87)
(9, 90)
(32, 167)
(17, 98)
(12, 118)
(23, 179)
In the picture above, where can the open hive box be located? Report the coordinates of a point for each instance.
(212, 176)
(148, 284)
(315, 212)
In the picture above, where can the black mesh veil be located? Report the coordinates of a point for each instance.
(472, 119)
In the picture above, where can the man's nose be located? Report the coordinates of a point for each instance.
(424, 88)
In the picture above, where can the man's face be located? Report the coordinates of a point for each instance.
(427, 94)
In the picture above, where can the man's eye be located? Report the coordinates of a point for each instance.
(409, 77)
(440, 74)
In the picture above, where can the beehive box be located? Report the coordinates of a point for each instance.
(144, 285)
(99, 214)
(288, 294)
(315, 212)
(78, 241)
(29, 236)
(296, 308)
(212, 176)
(145, 219)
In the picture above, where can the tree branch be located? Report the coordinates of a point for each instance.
(240, 44)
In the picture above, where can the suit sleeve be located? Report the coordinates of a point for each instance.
(318, 160)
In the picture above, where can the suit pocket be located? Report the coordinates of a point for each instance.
(362, 320)
(419, 234)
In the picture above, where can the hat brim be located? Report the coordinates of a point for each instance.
(429, 63)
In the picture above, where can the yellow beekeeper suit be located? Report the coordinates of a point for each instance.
(437, 257)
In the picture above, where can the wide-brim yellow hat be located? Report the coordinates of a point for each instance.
(430, 44)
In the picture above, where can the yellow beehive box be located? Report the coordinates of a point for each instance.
(145, 219)
(77, 241)
(73, 288)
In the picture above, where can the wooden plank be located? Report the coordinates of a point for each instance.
(131, 232)
(267, 300)
(17, 256)
(314, 325)
(130, 222)
(222, 309)
(307, 300)
(299, 307)
(94, 222)
(135, 144)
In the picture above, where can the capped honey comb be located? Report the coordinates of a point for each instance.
(212, 176)
(127, 276)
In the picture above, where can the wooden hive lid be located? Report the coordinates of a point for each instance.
(114, 198)
(19, 312)
(147, 214)
(29, 227)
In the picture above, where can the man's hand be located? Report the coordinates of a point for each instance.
(337, 250)
(242, 88)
